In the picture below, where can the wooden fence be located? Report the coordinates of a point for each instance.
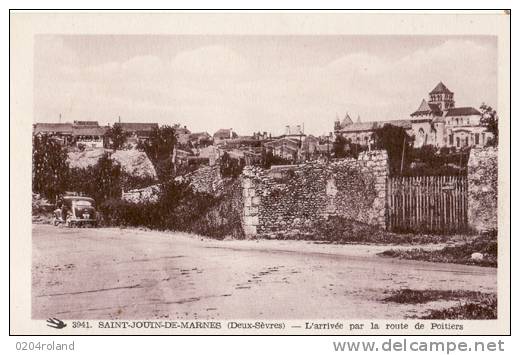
(435, 204)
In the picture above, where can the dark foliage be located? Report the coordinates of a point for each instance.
(483, 308)
(409, 296)
(223, 218)
(179, 208)
(49, 167)
(458, 254)
(344, 148)
(397, 143)
(489, 118)
(405, 160)
(101, 182)
(230, 167)
(337, 229)
(159, 149)
(430, 161)
(340, 147)
(116, 136)
(269, 159)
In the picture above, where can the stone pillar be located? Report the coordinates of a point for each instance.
(250, 219)
(483, 189)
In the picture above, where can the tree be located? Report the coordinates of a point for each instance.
(159, 149)
(101, 181)
(117, 136)
(397, 143)
(489, 118)
(230, 167)
(268, 159)
(50, 167)
(340, 147)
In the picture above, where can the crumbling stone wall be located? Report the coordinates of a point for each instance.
(483, 189)
(206, 179)
(288, 198)
(147, 194)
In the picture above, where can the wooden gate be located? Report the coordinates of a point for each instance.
(435, 204)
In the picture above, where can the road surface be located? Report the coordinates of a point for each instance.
(112, 273)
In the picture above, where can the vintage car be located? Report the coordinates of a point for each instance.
(76, 211)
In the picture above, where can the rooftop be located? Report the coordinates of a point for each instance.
(89, 131)
(136, 126)
(370, 126)
(426, 108)
(53, 128)
(462, 111)
(440, 89)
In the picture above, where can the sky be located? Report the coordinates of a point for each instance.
(255, 83)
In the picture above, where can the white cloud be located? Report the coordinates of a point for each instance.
(218, 86)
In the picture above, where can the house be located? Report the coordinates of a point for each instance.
(243, 142)
(137, 132)
(182, 134)
(222, 135)
(180, 157)
(286, 147)
(310, 147)
(295, 131)
(200, 139)
(89, 136)
(61, 132)
(86, 123)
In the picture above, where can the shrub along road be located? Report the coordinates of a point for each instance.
(112, 273)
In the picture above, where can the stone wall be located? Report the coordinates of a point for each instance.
(289, 198)
(147, 194)
(483, 189)
(206, 179)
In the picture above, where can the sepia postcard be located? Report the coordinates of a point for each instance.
(278, 173)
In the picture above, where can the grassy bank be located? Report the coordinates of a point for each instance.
(485, 308)
(473, 304)
(424, 296)
(342, 230)
(459, 253)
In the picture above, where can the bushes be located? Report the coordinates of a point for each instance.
(223, 218)
(473, 304)
(49, 167)
(410, 296)
(339, 229)
(483, 308)
(230, 167)
(459, 254)
(101, 181)
(117, 212)
(179, 208)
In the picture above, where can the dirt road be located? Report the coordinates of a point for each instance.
(131, 274)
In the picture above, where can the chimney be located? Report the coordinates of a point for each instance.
(59, 119)
(119, 119)
(231, 133)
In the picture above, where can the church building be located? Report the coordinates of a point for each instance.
(440, 123)
(437, 122)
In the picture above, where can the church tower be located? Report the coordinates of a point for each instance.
(442, 97)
